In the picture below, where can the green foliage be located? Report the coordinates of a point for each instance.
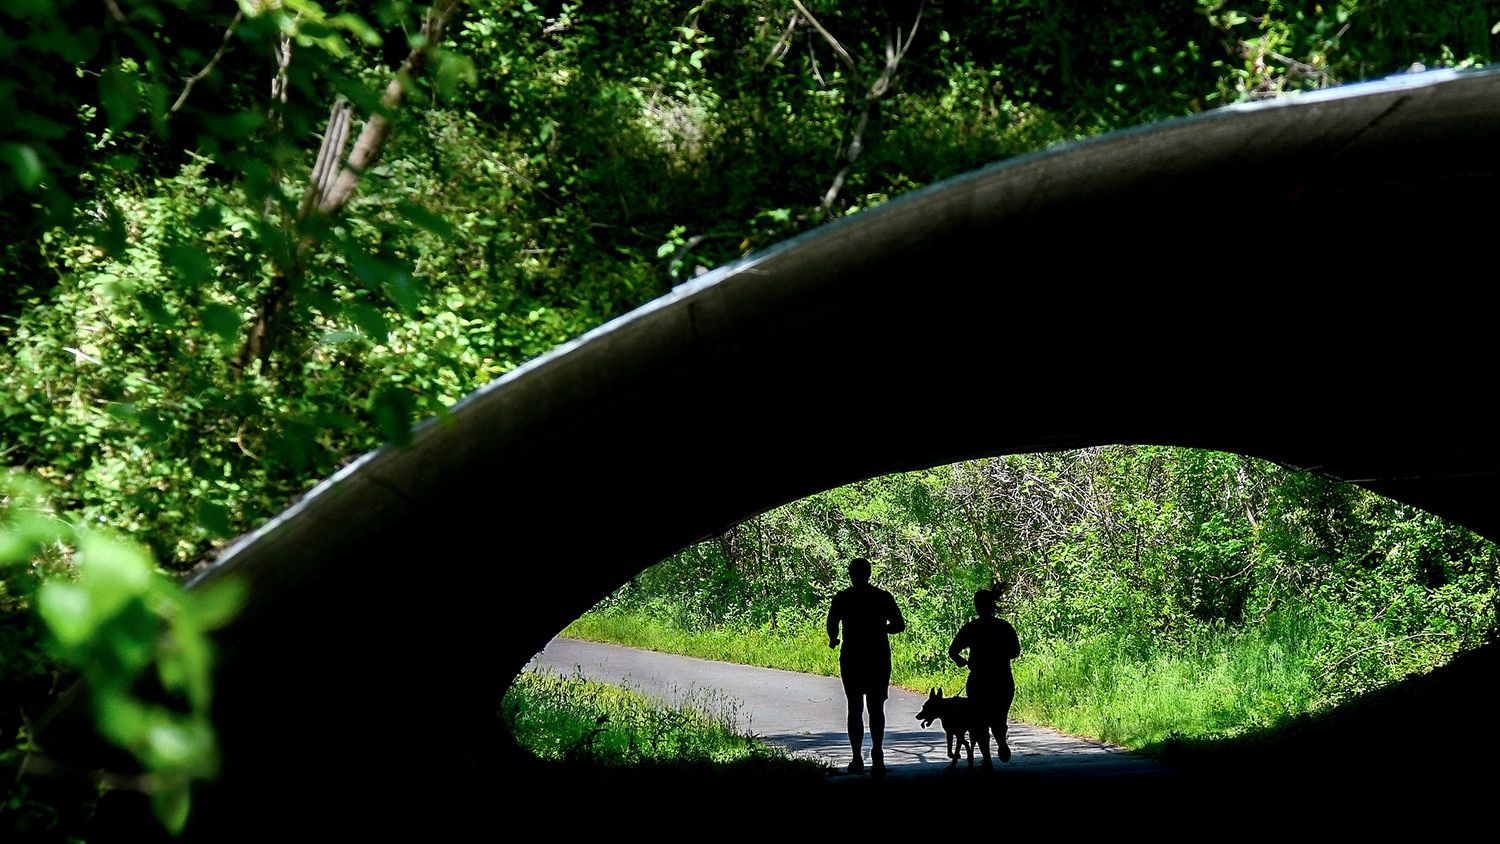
(114, 618)
(189, 341)
(594, 725)
(1127, 689)
(1156, 590)
(1116, 685)
(1277, 47)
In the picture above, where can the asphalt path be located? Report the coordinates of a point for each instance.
(804, 713)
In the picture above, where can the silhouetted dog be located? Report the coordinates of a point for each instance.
(955, 716)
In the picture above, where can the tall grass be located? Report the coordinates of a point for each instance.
(1221, 683)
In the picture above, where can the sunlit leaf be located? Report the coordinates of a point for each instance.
(67, 611)
(173, 745)
(25, 164)
(122, 719)
(453, 69)
(356, 25)
(337, 338)
(109, 564)
(15, 547)
(171, 807)
(215, 605)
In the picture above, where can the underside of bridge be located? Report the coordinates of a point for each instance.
(1089, 294)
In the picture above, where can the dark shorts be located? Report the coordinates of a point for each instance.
(991, 696)
(998, 689)
(871, 678)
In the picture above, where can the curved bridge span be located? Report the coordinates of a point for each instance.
(1089, 294)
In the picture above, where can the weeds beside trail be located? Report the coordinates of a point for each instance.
(1109, 688)
(594, 725)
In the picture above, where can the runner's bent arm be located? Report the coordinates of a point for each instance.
(956, 650)
(895, 622)
(833, 622)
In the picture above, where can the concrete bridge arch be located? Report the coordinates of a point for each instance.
(1300, 280)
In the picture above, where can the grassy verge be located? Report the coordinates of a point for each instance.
(596, 726)
(1118, 689)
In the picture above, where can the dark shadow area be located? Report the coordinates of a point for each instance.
(1344, 770)
(1410, 756)
(811, 741)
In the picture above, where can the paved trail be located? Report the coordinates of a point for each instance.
(805, 713)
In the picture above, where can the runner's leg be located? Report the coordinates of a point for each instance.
(856, 731)
(1002, 723)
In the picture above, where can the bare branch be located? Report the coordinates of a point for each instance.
(378, 127)
(331, 187)
(856, 146)
(208, 68)
(335, 141)
(817, 71)
(838, 48)
(1382, 645)
(895, 52)
(782, 44)
(279, 81)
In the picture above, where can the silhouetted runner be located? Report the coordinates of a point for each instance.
(992, 644)
(869, 615)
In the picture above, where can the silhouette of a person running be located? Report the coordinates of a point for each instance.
(869, 615)
(992, 644)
